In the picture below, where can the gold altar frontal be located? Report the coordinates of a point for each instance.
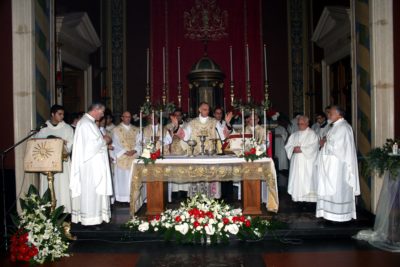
(204, 169)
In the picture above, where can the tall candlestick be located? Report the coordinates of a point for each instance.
(254, 124)
(247, 63)
(243, 140)
(163, 63)
(161, 134)
(265, 63)
(141, 128)
(147, 65)
(231, 62)
(179, 64)
(265, 126)
(154, 126)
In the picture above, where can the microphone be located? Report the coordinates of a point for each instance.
(44, 125)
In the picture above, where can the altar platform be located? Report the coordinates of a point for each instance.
(296, 221)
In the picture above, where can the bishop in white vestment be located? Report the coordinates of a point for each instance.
(302, 149)
(126, 145)
(206, 126)
(91, 185)
(337, 171)
(56, 127)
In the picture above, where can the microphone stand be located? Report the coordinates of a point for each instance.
(3, 155)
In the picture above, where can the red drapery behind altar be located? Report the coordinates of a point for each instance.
(167, 29)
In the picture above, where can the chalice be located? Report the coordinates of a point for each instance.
(192, 143)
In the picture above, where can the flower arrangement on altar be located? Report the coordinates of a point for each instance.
(254, 151)
(150, 154)
(39, 236)
(202, 220)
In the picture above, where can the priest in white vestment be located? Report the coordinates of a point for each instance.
(302, 149)
(281, 136)
(178, 147)
(91, 185)
(126, 145)
(337, 171)
(56, 127)
(206, 126)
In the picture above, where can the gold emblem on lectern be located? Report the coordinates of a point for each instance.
(42, 151)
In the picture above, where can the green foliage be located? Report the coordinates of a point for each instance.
(380, 160)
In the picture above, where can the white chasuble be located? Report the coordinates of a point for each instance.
(337, 173)
(90, 184)
(125, 138)
(301, 185)
(206, 127)
(61, 180)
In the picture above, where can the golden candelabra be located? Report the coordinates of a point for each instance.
(232, 92)
(164, 94)
(266, 94)
(248, 91)
(147, 92)
(179, 94)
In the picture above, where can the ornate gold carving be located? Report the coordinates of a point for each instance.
(206, 21)
(42, 151)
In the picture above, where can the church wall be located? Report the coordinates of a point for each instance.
(276, 38)
(6, 89)
(137, 41)
(364, 108)
(396, 46)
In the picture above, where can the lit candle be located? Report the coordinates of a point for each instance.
(254, 123)
(231, 62)
(247, 63)
(179, 64)
(141, 128)
(243, 140)
(148, 65)
(265, 63)
(163, 63)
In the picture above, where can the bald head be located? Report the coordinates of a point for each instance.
(302, 122)
(204, 109)
(126, 117)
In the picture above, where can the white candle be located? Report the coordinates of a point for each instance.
(148, 65)
(247, 63)
(179, 64)
(154, 127)
(231, 62)
(265, 63)
(225, 105)
(163, 63)
(265, 126)
(254, 124)
(161, 133)
(242, 110)
(141, 128)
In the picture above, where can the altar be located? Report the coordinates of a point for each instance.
(181, 169)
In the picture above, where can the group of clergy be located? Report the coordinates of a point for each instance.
(323, 168)
(323, 165)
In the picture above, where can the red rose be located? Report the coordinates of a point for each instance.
(153, 156)
(178, 218)
(247, 223)
(157, 217)
(196, 224)
(225, 220)
(253, 150)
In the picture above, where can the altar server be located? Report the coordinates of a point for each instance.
(337, 171)
(91, 185)
(302, 149)
(56, 127)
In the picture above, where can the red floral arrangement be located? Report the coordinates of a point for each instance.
(20, 250)
(155, 155)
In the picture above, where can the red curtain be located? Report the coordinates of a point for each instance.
(167, 30)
